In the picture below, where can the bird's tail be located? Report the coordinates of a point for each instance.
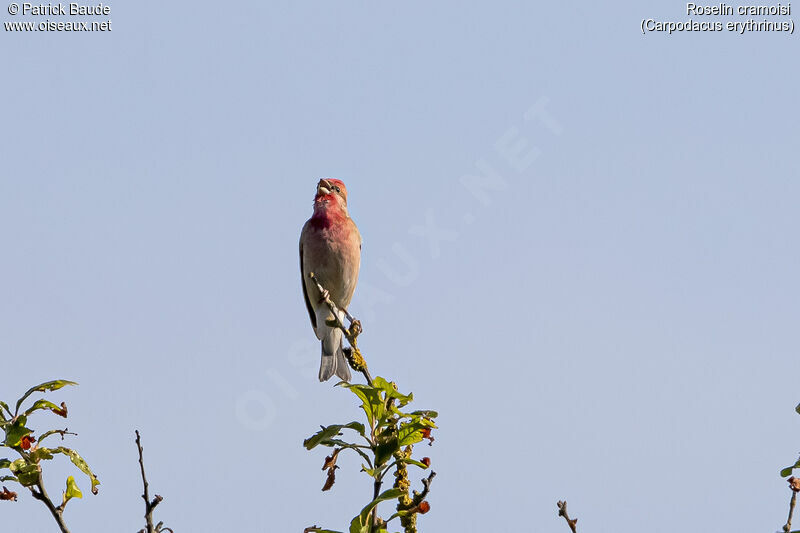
(333, 359)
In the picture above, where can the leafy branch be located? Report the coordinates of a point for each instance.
(385, 442)
(27, 470)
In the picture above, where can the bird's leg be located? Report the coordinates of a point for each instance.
(355, 327)
(324, 295)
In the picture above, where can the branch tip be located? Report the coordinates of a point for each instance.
(562, 511)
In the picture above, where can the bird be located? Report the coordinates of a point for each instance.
(330, 248)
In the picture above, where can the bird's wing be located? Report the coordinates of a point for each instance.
(311, 313)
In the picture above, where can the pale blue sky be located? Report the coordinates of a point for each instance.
(615, 323)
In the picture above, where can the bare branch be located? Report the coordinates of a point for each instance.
(326, 298)
(149, 505)
(562, 511)
(427, 484)
(788, 526)
(794, 486)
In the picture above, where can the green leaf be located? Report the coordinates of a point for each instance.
(788, 470)
(391, 392)
(41, 453)
(411, 432)
(44, 387)
(346, 446)
(72, 491)
(26, 473)
(326, 434)
(415, 463)
(356, 426)
(797, 408)
(398, 514)
(78, 461)
(337, 442)
(427, 413)
(5, 463)
(415, 415)
(372, 401)
(357, 527)
(4, 405)
(44, 404)
(385, 450)
(360, 524)
(15, 432)
(8, 478)
(372, 472)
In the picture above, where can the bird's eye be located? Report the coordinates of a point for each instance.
(337, 188)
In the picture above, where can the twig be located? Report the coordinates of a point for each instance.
(351, 334)
(61, 432)
(57, 512)
(149, 505)
(788, 526)
(326, 298)
(427, 484)
(794, 486)
(562, 511)
(414, 505)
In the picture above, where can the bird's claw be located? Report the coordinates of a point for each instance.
(355, 328)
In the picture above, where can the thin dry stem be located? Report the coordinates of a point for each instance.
(788, 526)
(426, 483)
(562, 511)
(149, 505)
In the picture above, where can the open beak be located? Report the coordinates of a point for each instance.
(324, 187)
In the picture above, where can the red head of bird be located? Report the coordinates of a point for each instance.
(331, 196)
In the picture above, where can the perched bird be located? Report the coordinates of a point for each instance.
(330, 247)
